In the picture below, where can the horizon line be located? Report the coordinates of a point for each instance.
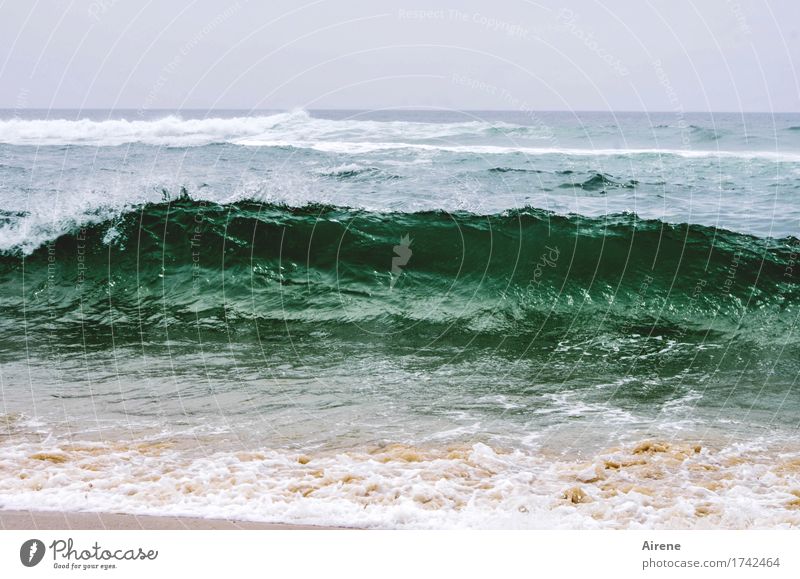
(19, 110)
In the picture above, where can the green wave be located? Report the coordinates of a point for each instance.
(189, 264)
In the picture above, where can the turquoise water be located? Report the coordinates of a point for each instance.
(331, 283)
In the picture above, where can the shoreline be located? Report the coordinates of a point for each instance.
(654, 483)
(19, 520)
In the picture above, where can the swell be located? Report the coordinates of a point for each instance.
(601, 182)
(189, 264)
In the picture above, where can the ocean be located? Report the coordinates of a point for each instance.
(402, 319)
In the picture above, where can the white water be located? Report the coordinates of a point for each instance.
(300, 130)
(668, 486)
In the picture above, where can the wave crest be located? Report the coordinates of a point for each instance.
(512, 272)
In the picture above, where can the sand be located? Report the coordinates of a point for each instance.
(57, 520)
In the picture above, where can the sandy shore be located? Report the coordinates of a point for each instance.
(56, 520)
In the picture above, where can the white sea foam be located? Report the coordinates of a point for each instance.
(297, 126)
(343, 169)
(362, 147)
(297, 129)
(46, 218)
(647, 485)
(170, 130)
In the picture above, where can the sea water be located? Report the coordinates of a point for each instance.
(402, 318)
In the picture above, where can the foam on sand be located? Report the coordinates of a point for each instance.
(651, 484)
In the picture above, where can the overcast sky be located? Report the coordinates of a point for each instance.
(720, 55)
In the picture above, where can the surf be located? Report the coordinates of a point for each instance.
(514, 272)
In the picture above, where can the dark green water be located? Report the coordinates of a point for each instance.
(556, 302)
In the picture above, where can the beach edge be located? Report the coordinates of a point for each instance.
(16, 520)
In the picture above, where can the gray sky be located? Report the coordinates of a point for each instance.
(720, 55)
